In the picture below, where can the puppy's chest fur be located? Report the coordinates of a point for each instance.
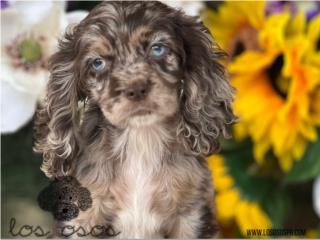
(140, 173)
(151, 185)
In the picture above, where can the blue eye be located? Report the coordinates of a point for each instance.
(98, 64)
(158, 50)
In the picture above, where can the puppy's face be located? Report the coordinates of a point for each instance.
(132, 64)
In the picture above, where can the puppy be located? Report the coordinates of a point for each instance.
(156, 101)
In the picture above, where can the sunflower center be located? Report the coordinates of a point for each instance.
(238, 49)
(279, 83)
(245, 39)
(30, 50)
(318, 44)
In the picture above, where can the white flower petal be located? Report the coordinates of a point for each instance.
(33, 11)
(17, 108)
(11, 25)
(316, 196)
(48, 25)
(75, 17)
(70, 19)
(21, 80)
(51, 23)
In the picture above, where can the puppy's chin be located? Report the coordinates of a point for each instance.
(143, 120)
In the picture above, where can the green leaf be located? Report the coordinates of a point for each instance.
(276, 204)
(264, 190)
(229, 145)
(252, 188)
(307, 167)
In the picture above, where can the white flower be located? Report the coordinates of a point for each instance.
(191, 8)
(316, 196)
(29, 36)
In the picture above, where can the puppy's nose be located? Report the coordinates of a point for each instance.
(138, 91)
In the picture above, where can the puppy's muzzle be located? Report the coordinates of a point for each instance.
(138, 91)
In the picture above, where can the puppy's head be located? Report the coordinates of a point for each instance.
(142, 63)
(133, 61)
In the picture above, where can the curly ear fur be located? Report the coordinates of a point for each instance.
(207, 94)
(57, 123)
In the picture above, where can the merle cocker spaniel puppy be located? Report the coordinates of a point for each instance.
(156, 101)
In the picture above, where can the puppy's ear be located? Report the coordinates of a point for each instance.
(57, 122)
(45, 199)
(207, 94)
(84, 199)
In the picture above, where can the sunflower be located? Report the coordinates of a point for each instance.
(275, 70)
(313, 34)
(278, 98)
(231, 206)
(236, 24)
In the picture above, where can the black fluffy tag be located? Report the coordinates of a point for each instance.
(64, 198)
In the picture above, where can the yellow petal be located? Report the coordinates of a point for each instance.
(308, 131)
(241, 216)
(226, 202)
(272, 36)
(260, 149)
(215, 161)
(254, 11)
(249, 215)
(297, 25)
(260, 127)
(222, 183)
(280, 132)
(259, 217)
(240, 131)
(299, 148)
(315, 106)
(314, 31)
(251, 61)
(286, 162)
